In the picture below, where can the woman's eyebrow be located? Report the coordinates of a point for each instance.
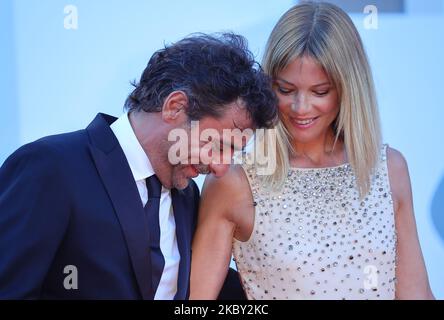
(315, 85)
(322, 84)
(283, 80)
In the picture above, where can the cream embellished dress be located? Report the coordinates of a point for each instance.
(317, 240)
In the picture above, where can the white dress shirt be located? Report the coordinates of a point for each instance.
(141, 169)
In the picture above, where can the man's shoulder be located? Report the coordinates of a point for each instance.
(69, 143)
(58, 144)
(50, 149)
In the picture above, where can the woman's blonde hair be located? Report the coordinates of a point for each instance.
(325, 33)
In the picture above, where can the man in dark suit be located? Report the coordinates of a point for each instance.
(109, 212)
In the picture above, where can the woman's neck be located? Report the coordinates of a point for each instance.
(320, 153)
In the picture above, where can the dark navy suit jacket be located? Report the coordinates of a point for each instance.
(71, 199)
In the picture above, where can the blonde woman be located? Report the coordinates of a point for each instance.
(335, 220)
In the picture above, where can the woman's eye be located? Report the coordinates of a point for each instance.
(320, 93)
(283, 90)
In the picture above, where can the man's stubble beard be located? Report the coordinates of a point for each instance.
(178, 178)
(174, 173)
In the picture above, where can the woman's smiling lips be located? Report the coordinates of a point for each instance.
(303, 123)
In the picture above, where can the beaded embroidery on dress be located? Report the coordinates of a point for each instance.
(317, 240)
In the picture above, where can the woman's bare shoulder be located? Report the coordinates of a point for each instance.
(227, 192)
(234, 180)
(399, 176)
(396, 160)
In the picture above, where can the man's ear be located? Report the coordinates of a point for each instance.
(174, 107)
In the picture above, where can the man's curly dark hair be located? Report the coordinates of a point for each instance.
(213, 71)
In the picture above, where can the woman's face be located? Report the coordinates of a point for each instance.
(308, 102)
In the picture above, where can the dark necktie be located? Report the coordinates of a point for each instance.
(152, 213)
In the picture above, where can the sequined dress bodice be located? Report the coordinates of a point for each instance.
(316, 239)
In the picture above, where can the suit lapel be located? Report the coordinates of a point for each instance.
(116, 175)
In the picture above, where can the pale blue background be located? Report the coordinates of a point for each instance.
(54, 80)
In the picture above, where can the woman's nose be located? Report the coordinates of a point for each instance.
(299, 103)
(219, 169)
